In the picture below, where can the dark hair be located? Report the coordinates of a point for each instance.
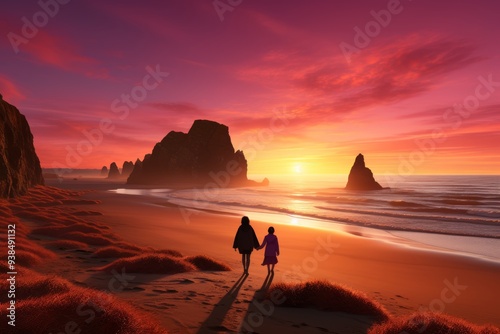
(271, 230)
(245, 220)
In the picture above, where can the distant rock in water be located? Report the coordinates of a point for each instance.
(128, 167)
(19, 165)
(202, 157)
(114, 172)
(361, 177)
(104, 171)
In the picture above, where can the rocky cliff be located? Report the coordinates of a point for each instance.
(361, 177)
(202, 157)
(19, 165)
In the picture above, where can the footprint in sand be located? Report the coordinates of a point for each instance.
(79, 283)
(161, 306)
(165, 291)
(183, 281)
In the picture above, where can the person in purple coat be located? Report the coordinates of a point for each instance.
(272, 250)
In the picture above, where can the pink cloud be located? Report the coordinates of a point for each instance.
(59, 52)
(10, 91)
(384, 75)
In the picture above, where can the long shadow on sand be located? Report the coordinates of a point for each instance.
(216, 318)
(258, 308)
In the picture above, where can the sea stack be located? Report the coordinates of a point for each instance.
(104, 171)
(361, 177)
(127, 168)
(19, 165)
(203, 157)
(114, 172)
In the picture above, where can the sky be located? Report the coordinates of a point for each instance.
(304, 86)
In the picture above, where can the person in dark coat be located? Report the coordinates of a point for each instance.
(245, 241)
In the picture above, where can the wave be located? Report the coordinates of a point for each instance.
(432, 205)
(405, 204)
(460, 202)
(369, 222)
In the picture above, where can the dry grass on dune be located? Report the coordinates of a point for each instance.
(49, 205)
(430, 323)
(114, 252)
(150, 264)
(326, 296)
(42, 192)
(89, 238)
(30, 284)
(129, 246)
(28, 259)
(51, 303)
(5, 210)
(121, 250)
(83, 309)
(81, 233)
(44, 196)
(87, 213)
(58, 230)
(28, 252)
(168, 252)
(206, 263)
(66, 244)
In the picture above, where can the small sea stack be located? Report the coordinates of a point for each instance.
(361, 177)
(114, 172)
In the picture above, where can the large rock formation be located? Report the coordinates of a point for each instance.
(127, 168)
(203, 157)
(104, 171)
(19, 165)
(361, 177)
(114, 172)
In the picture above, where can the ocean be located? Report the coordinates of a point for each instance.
(456, 213)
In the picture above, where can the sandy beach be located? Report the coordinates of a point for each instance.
(402, 279)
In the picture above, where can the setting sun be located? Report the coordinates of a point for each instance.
(297, 168)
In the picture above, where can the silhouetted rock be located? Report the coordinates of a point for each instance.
(104, 171)
(265, 182)
(128, 167)
(361, 177)
(202, 157)
(19, 165)
(114, 172)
